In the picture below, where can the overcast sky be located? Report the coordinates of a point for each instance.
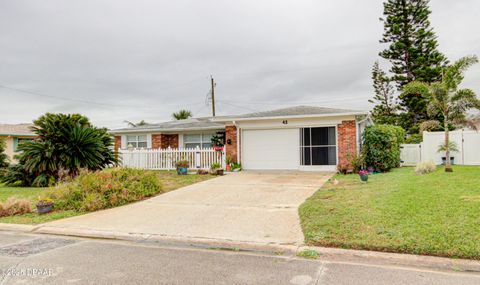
(132, 60)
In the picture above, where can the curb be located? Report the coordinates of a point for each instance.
(399, 259)
(173, 241)
(18, 227)
(327, 254)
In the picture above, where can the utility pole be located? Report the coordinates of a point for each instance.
(213, 95)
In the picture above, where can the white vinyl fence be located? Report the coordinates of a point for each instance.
(165, 159)
(467, 141)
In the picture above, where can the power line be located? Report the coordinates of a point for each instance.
(86, 101)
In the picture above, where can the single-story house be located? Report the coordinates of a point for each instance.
(295, 138)
(13, 134)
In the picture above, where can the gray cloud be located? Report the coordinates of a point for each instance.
(133, 60)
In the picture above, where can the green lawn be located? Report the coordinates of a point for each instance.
(170, 181)
(19, 192)
(432, 214)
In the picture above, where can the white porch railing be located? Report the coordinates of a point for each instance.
(165, 159)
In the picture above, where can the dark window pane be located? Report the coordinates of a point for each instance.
(306, 136)
(306, 156)
(324, 156)
(323, 136)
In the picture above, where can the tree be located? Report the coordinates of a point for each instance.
(182, 115)
(66, 143)
(3, 155)
(447, 100)
(412, 51)
(385, 110)
(134, 125)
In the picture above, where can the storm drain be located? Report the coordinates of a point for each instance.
(34, 246)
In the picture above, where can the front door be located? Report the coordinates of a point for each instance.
(318, 146)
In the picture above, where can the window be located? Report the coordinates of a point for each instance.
(318, 146)
(137, 141)
(197, 140)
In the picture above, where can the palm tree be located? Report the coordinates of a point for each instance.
(134, 125)
(182, 115)
(446, 99)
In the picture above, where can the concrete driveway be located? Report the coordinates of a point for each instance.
(254, 207)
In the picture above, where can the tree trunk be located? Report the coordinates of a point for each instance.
(448, 165)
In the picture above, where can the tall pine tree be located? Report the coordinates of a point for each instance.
(412, 51)
(385, 110)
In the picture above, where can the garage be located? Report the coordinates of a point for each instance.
(271, 149)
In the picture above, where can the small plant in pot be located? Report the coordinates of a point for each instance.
(216, 168)
(363, 175)
(228, 162)
(182, 167)
(44, 205)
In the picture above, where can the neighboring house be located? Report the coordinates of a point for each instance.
(296, 138)
(13, 134)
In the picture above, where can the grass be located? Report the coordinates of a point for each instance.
(169, 179)
(432, 214)
(19, 192)
(309, 254)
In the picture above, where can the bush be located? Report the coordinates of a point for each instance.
(17, 175)
(91, 191)
(3, 155)
(356, 162)
(414, 139)
(15, 207)
(381, 146)
(425, 167)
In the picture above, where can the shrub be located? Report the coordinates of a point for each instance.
(215, 166)
(356, 161)
(425, 167)
(415, 138)
(15, 207)
(381, 146)
(91, 191)
(3, 155)
(17, 175)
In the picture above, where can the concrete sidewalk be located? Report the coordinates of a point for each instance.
(246, 207)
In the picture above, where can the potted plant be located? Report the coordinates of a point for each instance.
(236, 167)
(216, 168)
(228, 162)
(182, 167)
(44, 205)
(363, 175)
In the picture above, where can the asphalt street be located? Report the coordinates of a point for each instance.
(44, 259)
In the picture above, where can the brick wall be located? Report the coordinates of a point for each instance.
(231, 149)
(167, 141)
(347, 141)
(118, 142)
(156, 141)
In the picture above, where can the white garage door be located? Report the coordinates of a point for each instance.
(271, 149)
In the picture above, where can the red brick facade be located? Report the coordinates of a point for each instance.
(118, 142)
(156, 141)
(231, 136)
(347, 141)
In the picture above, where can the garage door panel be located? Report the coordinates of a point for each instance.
(271, 149)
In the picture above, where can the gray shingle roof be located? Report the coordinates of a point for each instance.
(16, 129)
(299, 111)
(180, 125)
(210, 123)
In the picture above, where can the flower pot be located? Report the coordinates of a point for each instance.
(228, 167)
(364, 178)
(218, 148)
(182, 171)
(219, 172)
(44, 208)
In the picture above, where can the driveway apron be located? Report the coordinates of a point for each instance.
(249, 206)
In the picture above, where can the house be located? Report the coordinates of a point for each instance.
(13, 134)
(295, 138)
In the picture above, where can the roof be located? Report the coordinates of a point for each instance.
(16, 130)
(172, 126)
(297, 111)
(215, 123)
